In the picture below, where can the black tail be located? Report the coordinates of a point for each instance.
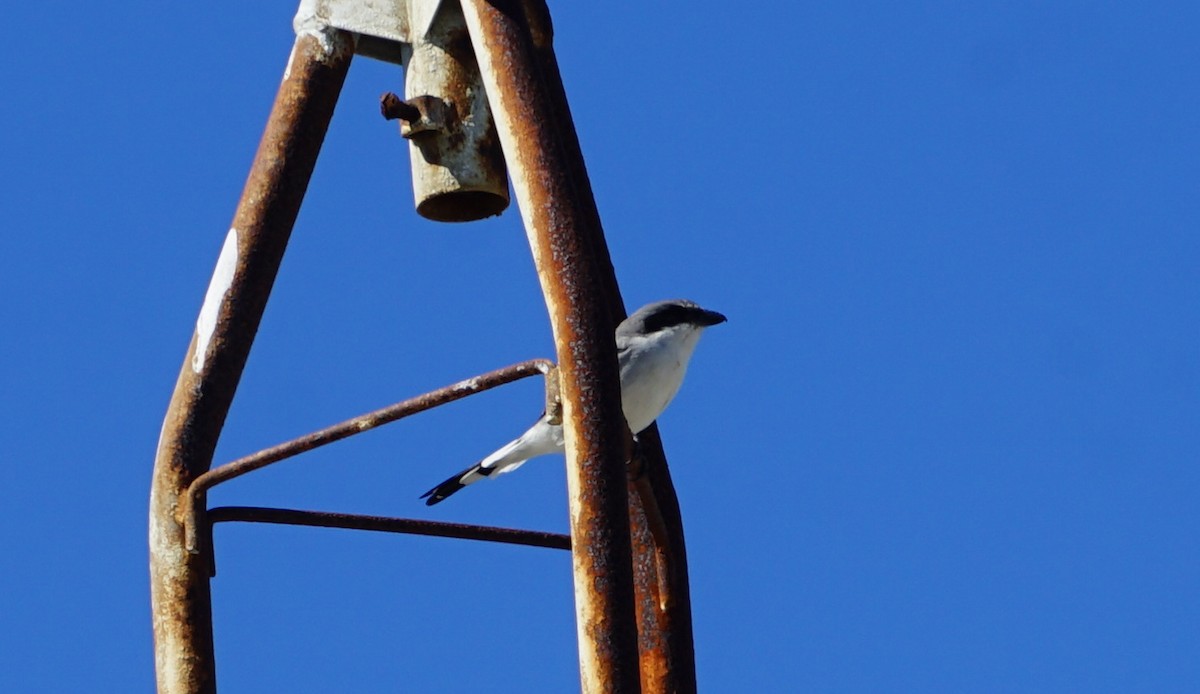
(445, 489)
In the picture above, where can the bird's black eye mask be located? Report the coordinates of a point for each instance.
(670, 317)
(681, 314)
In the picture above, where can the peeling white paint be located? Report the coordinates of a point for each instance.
(218, 287)
(385, 19)
(287, 71)
(312, 19)
(162, 429)
(469, 384)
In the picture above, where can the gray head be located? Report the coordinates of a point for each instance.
(661, 315)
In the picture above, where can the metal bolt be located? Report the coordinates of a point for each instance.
(393, 107)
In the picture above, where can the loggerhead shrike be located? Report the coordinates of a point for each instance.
(653, 348)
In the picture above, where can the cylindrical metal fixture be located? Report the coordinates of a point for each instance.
(558, 225)
(225, 329)
(457, 164)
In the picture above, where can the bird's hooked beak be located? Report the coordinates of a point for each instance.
(708, 318)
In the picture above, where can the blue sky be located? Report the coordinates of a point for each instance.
(946, 442)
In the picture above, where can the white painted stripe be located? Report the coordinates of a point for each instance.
(218, 287)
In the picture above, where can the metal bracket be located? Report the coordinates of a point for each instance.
(458, 168)
(192, 514)
(381, 25)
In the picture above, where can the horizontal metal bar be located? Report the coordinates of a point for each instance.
(191, 506)
(323, 519)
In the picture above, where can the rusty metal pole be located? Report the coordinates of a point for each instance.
(225, 329)
(558, 223)
(668, 650)
(665, 640)
(665, 631)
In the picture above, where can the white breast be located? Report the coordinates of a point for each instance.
(652, 370)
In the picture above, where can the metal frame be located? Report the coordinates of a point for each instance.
(191, 504)
(631, 589)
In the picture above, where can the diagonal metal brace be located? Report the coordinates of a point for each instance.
(192, 503)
